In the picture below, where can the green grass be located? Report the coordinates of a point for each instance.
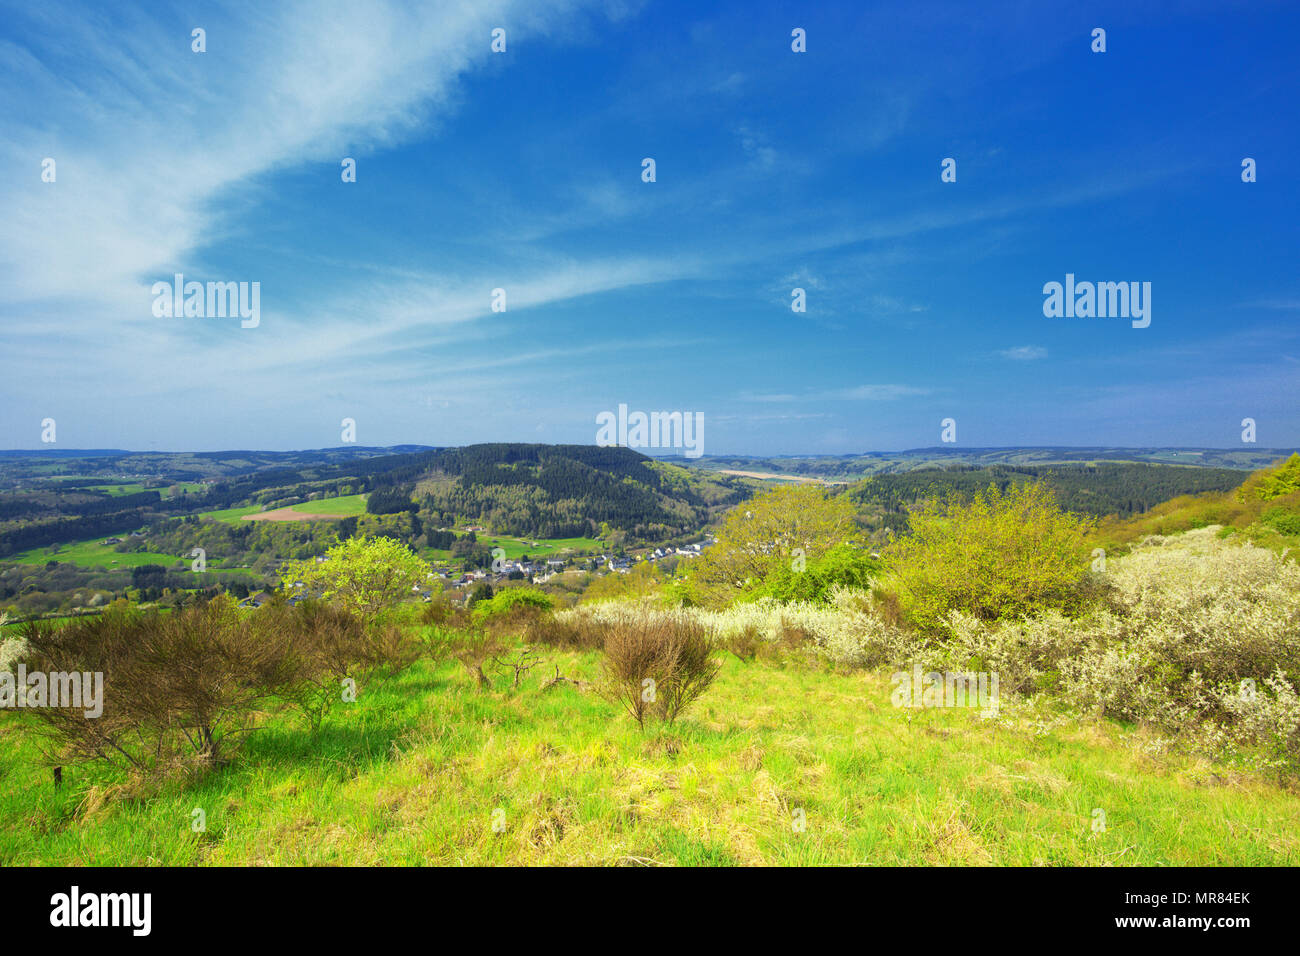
(189, 487)
(231, 515)
(413, 772)
(518, 547)
(131, 488)
(92, 554)
(348, 505)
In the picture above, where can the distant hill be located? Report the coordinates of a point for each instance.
(182, 465)
(1264, 509)
(550, 491)
(562, 491)
(842, 467)
(1120, 489)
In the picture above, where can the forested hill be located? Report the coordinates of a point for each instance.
(552, 491)
(1244, 457)
(1100, 489)
(560, 491)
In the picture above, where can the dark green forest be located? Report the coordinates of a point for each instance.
(1096, 490)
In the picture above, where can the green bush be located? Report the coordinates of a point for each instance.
(1002, 555)
(812, 581)
(1275, 482)
(1282, 519)
(506, 600)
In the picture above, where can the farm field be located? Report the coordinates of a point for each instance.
(230, 515)
(288, 514)
(543, 547)
(773, 476)
(127, 489)
(347, 506)
(92, 554)
(415, 770)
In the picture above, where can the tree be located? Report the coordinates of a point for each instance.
(811, 581)
(1003, 554)
(781, 527)
(363, 575)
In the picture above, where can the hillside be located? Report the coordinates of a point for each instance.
(417, 770)
(132, 521)
(542, 490)
(850, 467)
(1120, 734)
(1099, 490)
(562, 491)
(1265, 510)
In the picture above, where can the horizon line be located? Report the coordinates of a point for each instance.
(942, 449)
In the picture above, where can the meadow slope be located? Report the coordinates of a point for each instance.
(413, 772)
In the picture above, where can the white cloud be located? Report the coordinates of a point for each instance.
(1024, 353)
(856, 393)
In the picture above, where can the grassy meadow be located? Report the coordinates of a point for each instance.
(540, 547)
(93, 553)
(348, 506)
(413, 772)
(230, 515)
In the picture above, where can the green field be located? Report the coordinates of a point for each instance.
(517, 547)
(131, 488)
(414, 772)
(544, 547)
(93, 554)
(348, 505)
(231, 515)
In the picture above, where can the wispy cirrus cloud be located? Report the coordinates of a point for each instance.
(855, 393)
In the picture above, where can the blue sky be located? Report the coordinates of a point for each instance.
(522, 170)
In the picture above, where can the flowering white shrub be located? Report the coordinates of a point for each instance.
(12, 650)
(1027, 655)
(1188, 619)
(1264, 728)
(846, 630)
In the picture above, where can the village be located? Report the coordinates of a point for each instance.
(457, 586)
(543, 570)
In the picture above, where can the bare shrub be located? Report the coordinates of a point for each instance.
(519, 662)
(513, 621)
(576, 633)
(474, 648)
(185, 686)
(745, 643)
(442, 613)
(656, 667)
